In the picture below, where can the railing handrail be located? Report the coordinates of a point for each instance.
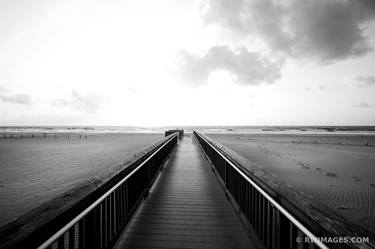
(298, 224)
(70, 224)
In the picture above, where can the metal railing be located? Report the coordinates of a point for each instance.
(274, 225)
(100, 224)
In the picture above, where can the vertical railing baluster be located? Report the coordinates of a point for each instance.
(301, 237)
(100, 224)
(252, 205)
(276, 224)
(126, 200)
(121, 205)
(72, 237)
(108, 221)
(269, 225)
(284, 231)
(81, 233)
(114, 214)
(292, 236)
(257, 211)
(247, 200)
(264, 218)
(61, 242)
(261, 207)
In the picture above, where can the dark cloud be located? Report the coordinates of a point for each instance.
(22, 99)
(89, 103)
(364, 81)
(248, 68)
(364, 105)
(327, 29)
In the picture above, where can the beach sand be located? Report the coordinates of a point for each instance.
(34, 170)
(337, 171)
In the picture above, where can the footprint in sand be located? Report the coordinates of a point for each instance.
(331, 174)
(304, 165)
(355, 178)
(318, 169)
(372, 184)
(344, 208)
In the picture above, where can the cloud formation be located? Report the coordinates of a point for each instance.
(21, 99)
(248, 68)
(364, 105)
(89, 103)
(364, 81)
(328, 30)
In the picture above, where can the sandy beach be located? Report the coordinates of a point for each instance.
(34, 170)
(337, 171)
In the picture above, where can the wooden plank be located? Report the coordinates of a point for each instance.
(186, 208)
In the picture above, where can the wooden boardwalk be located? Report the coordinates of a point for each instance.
(186, 208)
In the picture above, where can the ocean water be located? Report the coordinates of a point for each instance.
(34, 170)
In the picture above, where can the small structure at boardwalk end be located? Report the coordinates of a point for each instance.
(179, 131)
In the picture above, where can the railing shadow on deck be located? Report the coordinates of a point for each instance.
(98, 217)
(275, 221)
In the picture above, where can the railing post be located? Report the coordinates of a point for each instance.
(226, 174)
(276, 229)
(269, 226)
(92, 230)
(81, 234)
(72, 237)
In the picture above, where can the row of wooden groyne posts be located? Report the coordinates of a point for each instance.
(43, 135)
(95, 213)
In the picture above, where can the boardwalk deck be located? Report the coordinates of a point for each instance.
(186, 208)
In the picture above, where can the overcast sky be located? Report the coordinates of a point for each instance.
(208, 62)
